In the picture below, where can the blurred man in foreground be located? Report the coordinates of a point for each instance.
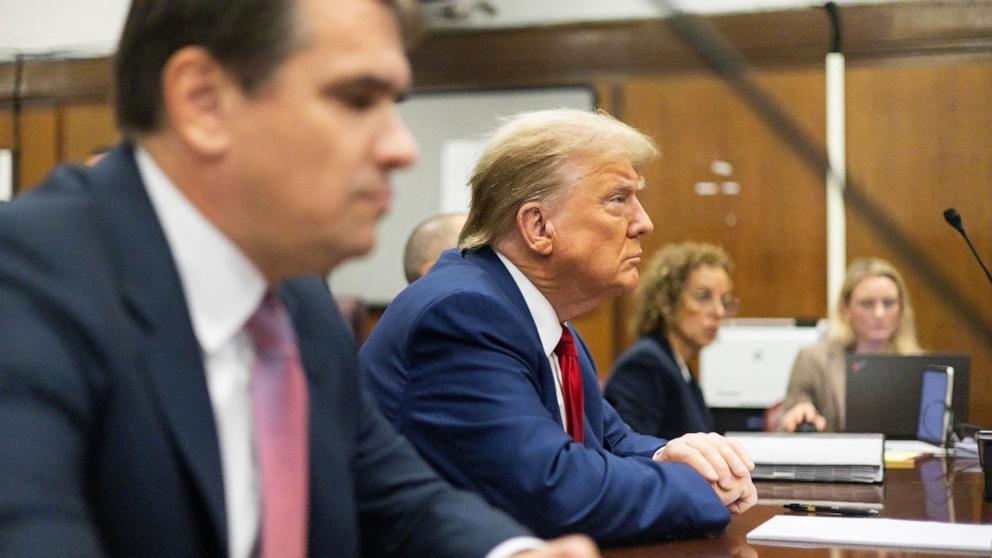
(176, 380)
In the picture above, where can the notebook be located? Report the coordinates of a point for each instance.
(822, 457)
(884, 393)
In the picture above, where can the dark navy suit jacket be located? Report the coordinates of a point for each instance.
(456, 364)
(647, 388)
(107, 437)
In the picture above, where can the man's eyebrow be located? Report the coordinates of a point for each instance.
(370, 84)
(627, 185)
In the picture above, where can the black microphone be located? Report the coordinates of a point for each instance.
(954, 220)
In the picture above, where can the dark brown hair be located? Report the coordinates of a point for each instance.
(250, 37)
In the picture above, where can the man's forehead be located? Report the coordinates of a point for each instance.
(357, 43)
(616, 170)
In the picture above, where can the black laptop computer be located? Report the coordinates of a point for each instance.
(883, 391)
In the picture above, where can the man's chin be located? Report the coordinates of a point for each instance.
(357, 248)
(630, 281)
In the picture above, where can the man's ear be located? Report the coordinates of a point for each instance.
(536, 229)
(196, 91)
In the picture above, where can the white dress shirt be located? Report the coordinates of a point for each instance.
(683, 368)
(222, 289)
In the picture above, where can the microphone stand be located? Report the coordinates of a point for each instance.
(954, 219)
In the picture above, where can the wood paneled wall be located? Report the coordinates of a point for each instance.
(773, 227)
(64, 131)
(919, 92)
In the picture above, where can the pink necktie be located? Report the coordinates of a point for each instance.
(279, 406)
(571, 385)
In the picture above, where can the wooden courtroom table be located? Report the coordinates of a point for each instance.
(934, 489)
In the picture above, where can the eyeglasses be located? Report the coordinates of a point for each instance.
(708, 301)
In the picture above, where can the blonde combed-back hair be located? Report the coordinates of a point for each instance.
(524, 162)
(904, 339)
(664, 277)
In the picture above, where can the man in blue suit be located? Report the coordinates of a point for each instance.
(467, 361)
(174, 377)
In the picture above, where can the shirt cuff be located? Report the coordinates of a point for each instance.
(512, 546)
(658, 453)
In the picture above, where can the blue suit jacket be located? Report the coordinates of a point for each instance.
(647, 388)
(107, 437)
(457, 365)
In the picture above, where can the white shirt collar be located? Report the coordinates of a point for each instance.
(683, 367)
(544, 315)
(223, 288)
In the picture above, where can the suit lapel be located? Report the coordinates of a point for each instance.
(487, 259)
(169, 353)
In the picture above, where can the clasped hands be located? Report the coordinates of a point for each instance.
(722, 462)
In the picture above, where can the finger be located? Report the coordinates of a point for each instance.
(747, 465)
(728, 454)
(751, 496)
(572, 546)
(740, 506)
(821, 423)
(727, 497)
(710, 446)
(680, 451)
(744, 455)
(799, 413)
(792, 418)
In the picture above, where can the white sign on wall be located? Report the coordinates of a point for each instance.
(458, 158)
(6, 174)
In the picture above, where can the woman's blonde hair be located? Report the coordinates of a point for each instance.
(904, 339)
(664, 277)
(525, 159)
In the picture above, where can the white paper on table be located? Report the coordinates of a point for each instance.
(804, 530)
(915, 446)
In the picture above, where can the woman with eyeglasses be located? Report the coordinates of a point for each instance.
(873, 315)
(685, 292)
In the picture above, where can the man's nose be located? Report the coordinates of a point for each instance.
(397, 148)
(641, 223)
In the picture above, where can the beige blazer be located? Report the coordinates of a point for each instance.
(818, 377)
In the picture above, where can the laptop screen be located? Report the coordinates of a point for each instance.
(935, 400)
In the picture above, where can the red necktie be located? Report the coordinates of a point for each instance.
(280, 414)
(571, 385)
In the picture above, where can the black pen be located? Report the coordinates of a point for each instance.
(839, 510)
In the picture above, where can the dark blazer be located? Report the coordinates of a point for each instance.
(647, 388)
(456, 364)
(107, 437)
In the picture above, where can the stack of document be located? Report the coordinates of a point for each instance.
(931, 536)
(815, 457)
